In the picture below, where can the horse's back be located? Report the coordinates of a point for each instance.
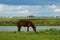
(24, 23)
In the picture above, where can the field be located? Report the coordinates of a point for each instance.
(52, 34)
(37, 21)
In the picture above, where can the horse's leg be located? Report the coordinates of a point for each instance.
(27, 28)
(34, 28)
(19, 28)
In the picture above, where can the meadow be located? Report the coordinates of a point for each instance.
(51, 34)
(37, 21)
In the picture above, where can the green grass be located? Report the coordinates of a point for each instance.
(36, 21)
(27, 36)
(52, 34)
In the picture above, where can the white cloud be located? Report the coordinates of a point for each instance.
(23, 11)
(57, 10)
(52, 6)
(1, 7)
(28, 10)
(20, 9)
(12, 9)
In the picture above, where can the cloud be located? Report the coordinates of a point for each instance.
(21, 9)
(54, 8)
(57, 10)
(1, 7)
(15, 10)
(12, 9)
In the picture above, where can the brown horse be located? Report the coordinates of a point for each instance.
(25, 23)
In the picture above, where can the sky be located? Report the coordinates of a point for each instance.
(29, 7)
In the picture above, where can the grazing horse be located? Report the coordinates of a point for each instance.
(25, 23)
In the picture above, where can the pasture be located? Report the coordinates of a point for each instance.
(51, 34)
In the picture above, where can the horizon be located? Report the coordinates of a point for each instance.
(28, 16)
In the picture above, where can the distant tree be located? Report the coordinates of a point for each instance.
(31, 16)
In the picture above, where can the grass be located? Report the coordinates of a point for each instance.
(27, 36)
(52, 34)
(36, 21)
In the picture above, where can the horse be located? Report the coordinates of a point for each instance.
(25, 23)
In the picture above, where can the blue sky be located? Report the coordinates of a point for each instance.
(29, 7)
